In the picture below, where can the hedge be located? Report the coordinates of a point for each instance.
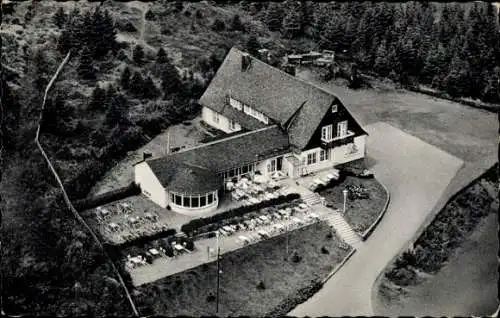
(111, 196)
(332, 183)
(146, 239)
(295, 299)
(192, 226)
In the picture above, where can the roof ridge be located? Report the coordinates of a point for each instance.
(298, 79)
(226, 139)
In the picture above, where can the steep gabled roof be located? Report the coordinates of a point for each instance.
(219, 155)
(265, 88)
(286, 99)
(182, 177)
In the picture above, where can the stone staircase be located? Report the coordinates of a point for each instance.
(343, 229)
(312, 199)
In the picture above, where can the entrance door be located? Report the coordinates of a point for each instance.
(279, 163)
(275, 164)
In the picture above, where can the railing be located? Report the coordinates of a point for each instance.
(338, 141)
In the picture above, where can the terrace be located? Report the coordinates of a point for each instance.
(256, 227)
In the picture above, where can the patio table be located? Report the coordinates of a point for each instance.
(154, 251)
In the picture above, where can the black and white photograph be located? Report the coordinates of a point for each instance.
(247, 158)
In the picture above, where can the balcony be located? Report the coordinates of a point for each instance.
(338, 141)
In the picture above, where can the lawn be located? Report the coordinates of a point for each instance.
(360, 213)
(186, 293)
(179, 136)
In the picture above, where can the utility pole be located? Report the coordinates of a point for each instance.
(286, 246)
(218, 281)
(345, 199)
(168, 140)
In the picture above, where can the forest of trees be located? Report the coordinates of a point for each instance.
(449, 47)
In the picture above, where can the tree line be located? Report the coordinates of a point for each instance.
(449, 47)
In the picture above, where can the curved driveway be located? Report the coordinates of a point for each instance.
(416, 174)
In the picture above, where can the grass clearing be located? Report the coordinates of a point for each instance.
(186, 293)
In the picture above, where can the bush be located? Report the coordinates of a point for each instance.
(329, 235)
(210, 298)
(332, 183)
(261, 285)
(324, 250)
(150, 16)
(296, 257)
(401, 276)
(218, 25)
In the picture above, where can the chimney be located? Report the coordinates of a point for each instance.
(245, 61)
(290, 69)
(146, 155)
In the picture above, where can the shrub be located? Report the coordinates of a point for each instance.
(261, 285)
(218, 25)
(329, 235)
(210, 298)
(114, 195)
(324, 250)
(150, 16)
(198, 14)
(296, 257)
(402, 276)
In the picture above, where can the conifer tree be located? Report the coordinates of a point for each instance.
(125, 78)
(138, 55)
(60, 18)
(170, 80)
(253, 46)
(85, 68)
(137, 84)
(98, 99)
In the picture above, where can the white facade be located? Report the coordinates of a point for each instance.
(194, 211)
(152, 188)
(149, 184)
(346, 153)
(218, 121)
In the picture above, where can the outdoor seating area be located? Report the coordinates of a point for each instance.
(269, 222)
(260, 188)
(120, 222)
(168, 248)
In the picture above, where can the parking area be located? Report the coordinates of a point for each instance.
(255, 227)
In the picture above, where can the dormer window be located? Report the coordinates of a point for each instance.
(236, 104)
(334, 108)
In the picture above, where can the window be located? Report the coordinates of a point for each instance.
(172, 198)
(342, 128)
(203, 201)
(244, 169)
(178, 199)
(271, 167)
(186, 202)
(195, 202)
(210, 198)
(236, 104)
(326, 133)
(216, 118)
(311, 158)
(232, 125)
(324, 155)
(334, 108)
